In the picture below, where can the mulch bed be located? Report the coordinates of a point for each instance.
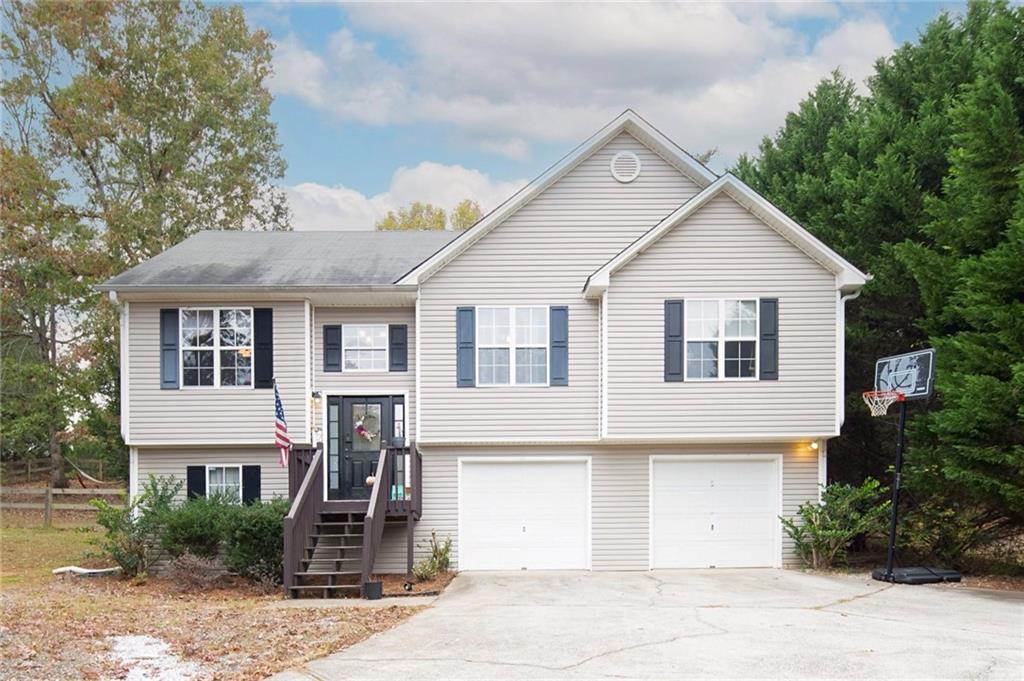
(394, 585)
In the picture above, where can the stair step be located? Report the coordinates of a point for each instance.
(325, 587)
(347, 573)
(331, 560)
(322, 547)
(347, 534)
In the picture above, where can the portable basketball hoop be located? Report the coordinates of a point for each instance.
(899, 379)
(879, 401)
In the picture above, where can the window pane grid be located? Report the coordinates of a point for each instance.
(512, 345)
(364, 347)
(721, 339)
(224, 481)
(216, 347)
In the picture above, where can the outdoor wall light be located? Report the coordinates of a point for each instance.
(814, 444)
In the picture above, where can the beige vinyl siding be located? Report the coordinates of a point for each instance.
(362, 383)
(620, 484)
(541, 255)
(722, 251)
(215, 415)
(174, 463)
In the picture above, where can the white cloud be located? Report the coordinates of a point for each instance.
(506, 75)
(318, 207)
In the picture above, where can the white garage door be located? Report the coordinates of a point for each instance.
(715, 513)
(524, 514)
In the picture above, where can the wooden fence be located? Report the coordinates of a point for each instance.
(48, 493)
(26, 470)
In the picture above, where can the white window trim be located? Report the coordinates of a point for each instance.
(511, 347)
(387, 349)
(216, 348)
(241, 481)
(722, 339)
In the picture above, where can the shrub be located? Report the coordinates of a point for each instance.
(939, 529)
(823, 530)
(254, 540)
(197, 527)
(437, 562)
(194, 573)
(129, 529)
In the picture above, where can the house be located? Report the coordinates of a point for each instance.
(632, 363)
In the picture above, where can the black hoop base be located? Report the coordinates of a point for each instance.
(916, 575)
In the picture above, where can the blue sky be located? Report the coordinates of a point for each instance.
(378, 105)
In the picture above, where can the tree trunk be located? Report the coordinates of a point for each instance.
(57, 477)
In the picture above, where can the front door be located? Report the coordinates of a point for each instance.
(357, 429)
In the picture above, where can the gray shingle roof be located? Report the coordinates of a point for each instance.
(273, 259)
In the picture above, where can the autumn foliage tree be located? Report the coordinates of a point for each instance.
(128, 126)
(426, 216)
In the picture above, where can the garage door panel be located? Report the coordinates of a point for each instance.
(714, 513)
(524, 514)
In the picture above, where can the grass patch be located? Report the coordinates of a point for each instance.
(28, 554)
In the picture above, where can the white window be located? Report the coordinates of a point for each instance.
(224, 482)
(364, 347)
(216, 347)
(512, 345)
(721, 339)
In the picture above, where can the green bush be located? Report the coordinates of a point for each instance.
(939, 530)
(822, 531)
(437, 562)
(254, 540)
(198, 527)
(130, 529)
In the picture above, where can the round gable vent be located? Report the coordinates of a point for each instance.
(625, 166)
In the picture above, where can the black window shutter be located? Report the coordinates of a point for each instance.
(465, 341)
(332, 347)
(398, 347)
(250, 484)
(169, 348)
(263, 347)
(558, 330)
(674, 365)
(769, 370)
(195, 482)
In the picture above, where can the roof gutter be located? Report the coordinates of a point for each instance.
(279, 288)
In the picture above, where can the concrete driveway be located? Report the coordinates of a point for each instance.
(720, 624)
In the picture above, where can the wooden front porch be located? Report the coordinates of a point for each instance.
(330, 546)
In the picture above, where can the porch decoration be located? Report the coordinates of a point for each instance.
(363, 432)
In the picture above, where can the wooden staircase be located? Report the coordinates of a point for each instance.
(330, 547)
(331, 559)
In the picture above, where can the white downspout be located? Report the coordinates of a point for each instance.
(841, 356)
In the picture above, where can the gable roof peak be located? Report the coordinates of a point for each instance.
(848, 277)
(628, 121)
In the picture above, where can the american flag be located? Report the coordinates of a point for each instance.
(281, 439)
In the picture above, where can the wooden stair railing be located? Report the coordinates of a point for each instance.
(298, 524)
(373, 523)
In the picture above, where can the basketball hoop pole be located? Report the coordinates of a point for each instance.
(897, 480)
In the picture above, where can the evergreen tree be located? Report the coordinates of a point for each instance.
(920, 183)
(971, 277)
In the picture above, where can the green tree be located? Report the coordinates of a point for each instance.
(415, 216)
(45, 266)
(146, 121)
(971, 275)
(918, 182)
(465, 215)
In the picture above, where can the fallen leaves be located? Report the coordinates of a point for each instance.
(54, 628)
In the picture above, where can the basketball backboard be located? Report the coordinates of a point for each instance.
(910, 373)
